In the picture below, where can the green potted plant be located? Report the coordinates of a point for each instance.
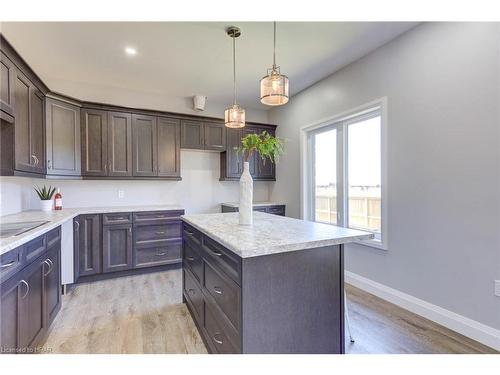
(45, 194)
(269, 148)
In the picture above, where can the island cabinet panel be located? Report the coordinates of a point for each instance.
(117, 247)
(31, 297)
(94, 140)
(7, 74)
(289, 302)
(63, 138)
(169, 147)
(119, 144)
(87, 245)
(144, 143)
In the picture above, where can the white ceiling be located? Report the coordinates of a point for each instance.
(181, 59)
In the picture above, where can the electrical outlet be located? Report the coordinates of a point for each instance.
(497, 288)
(121, 194)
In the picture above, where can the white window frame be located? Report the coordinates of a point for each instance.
(341, 123)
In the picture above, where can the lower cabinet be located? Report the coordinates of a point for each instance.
(117, 247)
(127, 241)
(278, 209)
(31, 298)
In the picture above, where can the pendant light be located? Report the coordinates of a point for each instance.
(234, 116)
(274, 86)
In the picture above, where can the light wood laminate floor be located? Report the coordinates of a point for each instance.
(145, 314)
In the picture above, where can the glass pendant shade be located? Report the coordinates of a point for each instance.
(234, 116)
(274, 88)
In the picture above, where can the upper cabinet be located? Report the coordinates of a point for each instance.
(119, 144)
(169, 147)
(94, 140)
(63, 138)
(7, 74)
(203, 135)
(231, 162)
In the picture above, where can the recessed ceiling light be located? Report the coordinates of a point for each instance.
(130, 51)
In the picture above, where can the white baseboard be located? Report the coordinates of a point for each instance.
(477, 331)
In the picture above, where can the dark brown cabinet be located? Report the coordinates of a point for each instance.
(94, 139)
(156, 146)
(62, 126)
(116, 247)
(31, 296)
(7, 74)
(203, 135)
(87, 245)
(275, 209)
(231, 161)
(119, 144)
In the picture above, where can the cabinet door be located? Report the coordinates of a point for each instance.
(24, 160)
(144, 146)
(52, 283)
(12, 290)
(192, 134)
(88, 245)
(232, 159)
(7, 74)
(169, 152)
(94, 139)
(63, 138)
(119, 144)
(265, 169)
(31, 305)
(215, 136)
(253, 159)
(117, 247)
(37, 129)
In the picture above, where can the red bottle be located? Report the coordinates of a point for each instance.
(58, 200)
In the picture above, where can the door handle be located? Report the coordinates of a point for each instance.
(48, 264)
(217, 340)
(27, 288)
(218, 290)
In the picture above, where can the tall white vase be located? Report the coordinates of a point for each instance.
(246, 196)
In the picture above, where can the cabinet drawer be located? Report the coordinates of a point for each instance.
(221, 257)
(226, 294)
(276, 210)
(192, 234)
(157, 216)
(10, 263)
(260, 209)
(35, 248)
(193, 295)
(155, 232)
(117, 218)
(193, 259)
(53, 237)
(217, 334)
(157, 255)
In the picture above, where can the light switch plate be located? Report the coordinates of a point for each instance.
(497, 288)
(121, 194)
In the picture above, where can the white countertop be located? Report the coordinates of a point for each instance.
(255, 204)
(56, 218)
(270, 234)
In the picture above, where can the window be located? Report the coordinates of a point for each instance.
(346, 182)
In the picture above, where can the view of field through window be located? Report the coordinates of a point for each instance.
(363, 165)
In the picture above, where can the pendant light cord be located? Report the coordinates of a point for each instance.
(234, 70)
(274, 47)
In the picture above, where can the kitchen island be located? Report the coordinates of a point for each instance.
(273, 287)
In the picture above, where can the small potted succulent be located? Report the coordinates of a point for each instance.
(269, 148)
(45, 194)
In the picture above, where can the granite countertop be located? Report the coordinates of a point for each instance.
(270, 234)
(56, 218)
(255, 204)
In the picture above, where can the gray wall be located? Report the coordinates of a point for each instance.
(442, 84)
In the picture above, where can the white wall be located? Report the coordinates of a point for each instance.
(442, 84)
(199, 191)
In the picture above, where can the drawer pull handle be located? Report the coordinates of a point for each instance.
(218, 290)
(7, 265)
(216, 339)
(160, 232)
(120, 218)
(27, 288)
(189, 233)
(158, 254)
(215, 252)
(190, 258)
(160, 216)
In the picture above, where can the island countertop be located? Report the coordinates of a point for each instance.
(270, 234)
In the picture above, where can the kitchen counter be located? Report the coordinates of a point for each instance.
(255, 204)
(56, 218)
(270, 234)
